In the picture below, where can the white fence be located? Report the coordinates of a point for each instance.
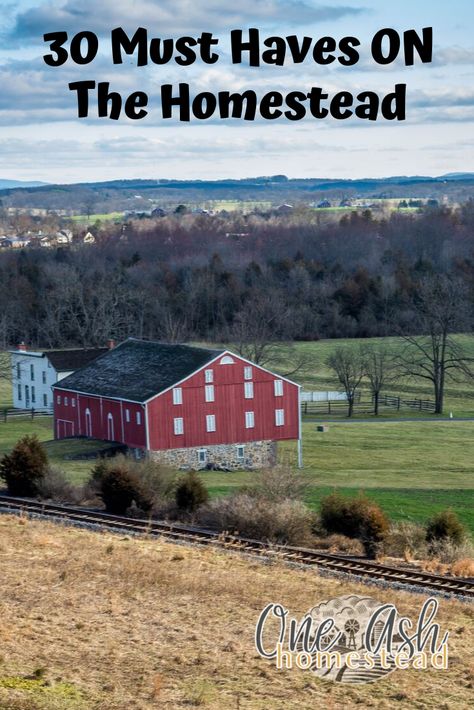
(323, 397)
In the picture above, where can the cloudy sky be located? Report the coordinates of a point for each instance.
(40, 138)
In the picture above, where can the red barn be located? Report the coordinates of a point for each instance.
(188, 407)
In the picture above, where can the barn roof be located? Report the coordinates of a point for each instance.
(68, 360)
(136, 370)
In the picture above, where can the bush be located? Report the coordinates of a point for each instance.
(24, 467)
(445, 526)
(285, 522)
(406, 539)
(121, 481)
(357, 518)
(281, 483)
(119, 487)
(54, 486)
(191, 493)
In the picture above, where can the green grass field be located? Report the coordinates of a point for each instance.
(105, 217)
(412, 469)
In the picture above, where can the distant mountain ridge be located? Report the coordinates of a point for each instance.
(12, 184)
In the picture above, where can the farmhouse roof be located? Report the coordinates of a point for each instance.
(136, 370)
(69, 360)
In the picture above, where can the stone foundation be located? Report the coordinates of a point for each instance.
(256, 454)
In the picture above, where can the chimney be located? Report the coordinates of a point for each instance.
(110, 344)
(22, 347)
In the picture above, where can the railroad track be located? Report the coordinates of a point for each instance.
(182, 533)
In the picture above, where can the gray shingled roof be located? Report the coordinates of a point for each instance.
(137, 370)
(69, 360)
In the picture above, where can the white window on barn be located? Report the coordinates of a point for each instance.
(73, 402)
(210, 422)
(177, 395)
(32, 373)
(249, 420)
(202, 456)
(178, 426)
(209, 375)
(58, 399)
(45, 400)
(18, 370)
(127, 416)
(279, 417)
(278, 388)
(241, 454)
(248, 390)
(248, 373)
(19, 392)
(209, 393)
(44, 377)
(227, 360)
(66, 401)
(139, 418)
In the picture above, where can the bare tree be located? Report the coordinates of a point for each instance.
(379, 369)
(348, 364)
(437, 356)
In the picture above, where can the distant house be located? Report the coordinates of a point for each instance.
(158, 212)
(35, 372)
(20, 242)
(185, 406)
(324, 204)
(5, 243)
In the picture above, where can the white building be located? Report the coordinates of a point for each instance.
(35, 372)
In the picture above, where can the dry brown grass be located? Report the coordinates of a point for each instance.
(140, 624)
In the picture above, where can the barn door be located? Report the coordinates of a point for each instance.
(110, 428)
(88, 424)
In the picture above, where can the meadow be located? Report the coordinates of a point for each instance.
(122, 623)
(412, 468)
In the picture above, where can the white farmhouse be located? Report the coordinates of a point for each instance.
(35, 372)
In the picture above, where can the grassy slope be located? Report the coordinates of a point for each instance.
(138, 624)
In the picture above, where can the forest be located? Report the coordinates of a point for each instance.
(225, 277)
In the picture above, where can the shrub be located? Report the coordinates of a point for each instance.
(191, 493)
(119, 487)
(24, 467)
(357, 518)
(286, 522)
(445, 526)
(281, 483)
(54, 486)
(406, 539)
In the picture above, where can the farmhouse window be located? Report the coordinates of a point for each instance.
(18, 370)
(177, 395)
(278, 388)
(66, 400)
(241, 453)
(279, 417)
(249, 420)
(45, 400)
(178, 426)
(32, 373)
(227, 360)
(202, 455)
(248, 390)
(139, 418)
(210, 422)
(58, 399)
(209, 375)
(33, 395)
(247, 373)
(19, 392)
(44, 377)
(73, 402)
(127, 416)
(209, 393)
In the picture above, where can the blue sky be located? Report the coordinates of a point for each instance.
(41, 139)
